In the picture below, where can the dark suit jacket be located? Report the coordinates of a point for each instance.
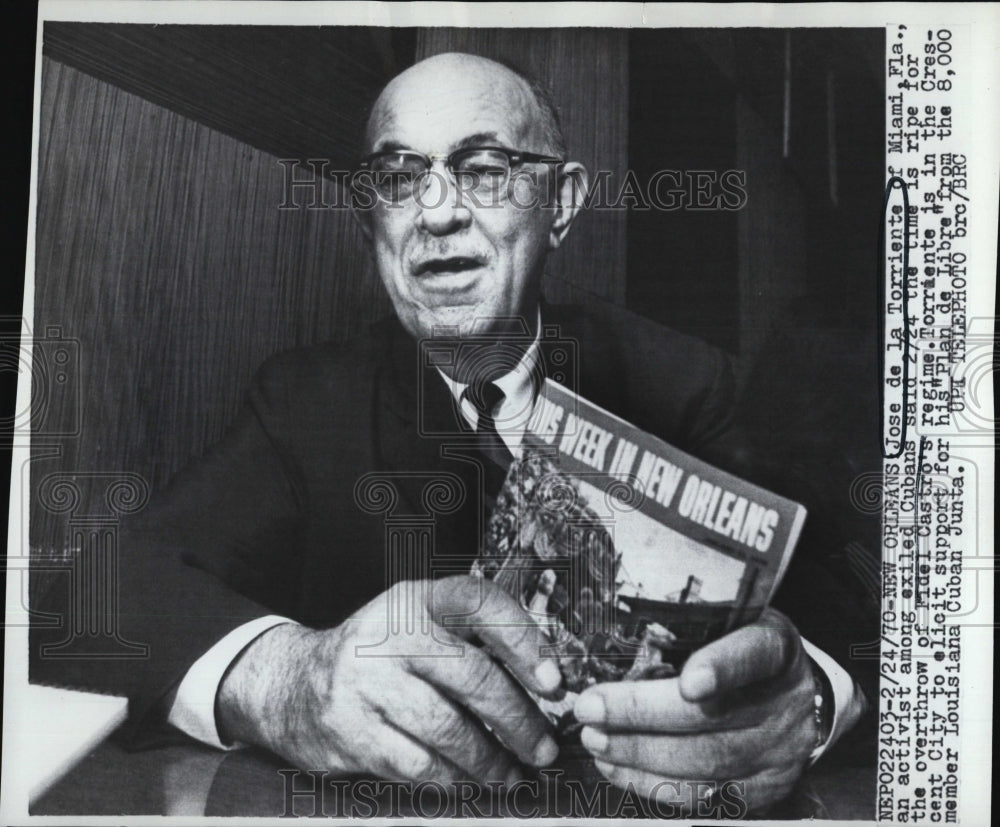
(270, 521)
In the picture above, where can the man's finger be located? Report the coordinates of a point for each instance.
(658, 706)
(400, 757)
(736, 753)
(696, 756)
(756, 652)
(481, 685)
(472, 607)
(441, 726)
(671, 797)
(702, 798)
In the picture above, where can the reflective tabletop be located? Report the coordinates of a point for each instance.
(193, 780)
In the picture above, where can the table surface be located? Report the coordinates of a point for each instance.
(192, 780)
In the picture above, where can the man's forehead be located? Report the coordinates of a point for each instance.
(451, 101)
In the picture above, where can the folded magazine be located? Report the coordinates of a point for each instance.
(628, 553)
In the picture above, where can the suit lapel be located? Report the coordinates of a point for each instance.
(422, 437)
(580, 357)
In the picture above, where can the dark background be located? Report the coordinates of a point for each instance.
(17, 37)
(162, 254)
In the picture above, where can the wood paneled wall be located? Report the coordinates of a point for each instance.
(294, 91)
(161, 248)
(587, 72)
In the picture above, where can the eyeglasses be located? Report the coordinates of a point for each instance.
(481, 170)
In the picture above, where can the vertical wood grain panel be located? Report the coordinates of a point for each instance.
(161, 248)
(773, 254)
(587, 72)
(298, 91)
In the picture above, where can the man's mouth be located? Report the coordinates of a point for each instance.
(447, 265)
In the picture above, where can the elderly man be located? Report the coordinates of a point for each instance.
(285, 628)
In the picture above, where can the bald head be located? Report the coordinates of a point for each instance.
(429, 88)
(454, 252)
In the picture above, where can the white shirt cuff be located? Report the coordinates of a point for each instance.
(847, 700)
(193, 710)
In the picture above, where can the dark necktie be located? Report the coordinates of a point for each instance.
(486, 397)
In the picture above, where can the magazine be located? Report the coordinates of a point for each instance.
(629, 553)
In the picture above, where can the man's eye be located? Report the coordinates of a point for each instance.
(489, 165)
(410, 169)
(484, 169)
(484, 165)
(399, 164)
(393, 180)
(394, 175)
(394, 184)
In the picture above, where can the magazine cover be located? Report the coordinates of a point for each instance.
(628, 552)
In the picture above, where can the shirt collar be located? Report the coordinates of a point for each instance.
(517, 385)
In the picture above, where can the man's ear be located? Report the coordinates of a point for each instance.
(571, 188)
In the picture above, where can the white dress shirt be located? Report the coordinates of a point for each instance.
(193, 708)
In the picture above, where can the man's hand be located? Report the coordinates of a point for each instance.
(408, 688)
(741, 710)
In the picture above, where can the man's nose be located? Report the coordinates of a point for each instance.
(443, 207)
